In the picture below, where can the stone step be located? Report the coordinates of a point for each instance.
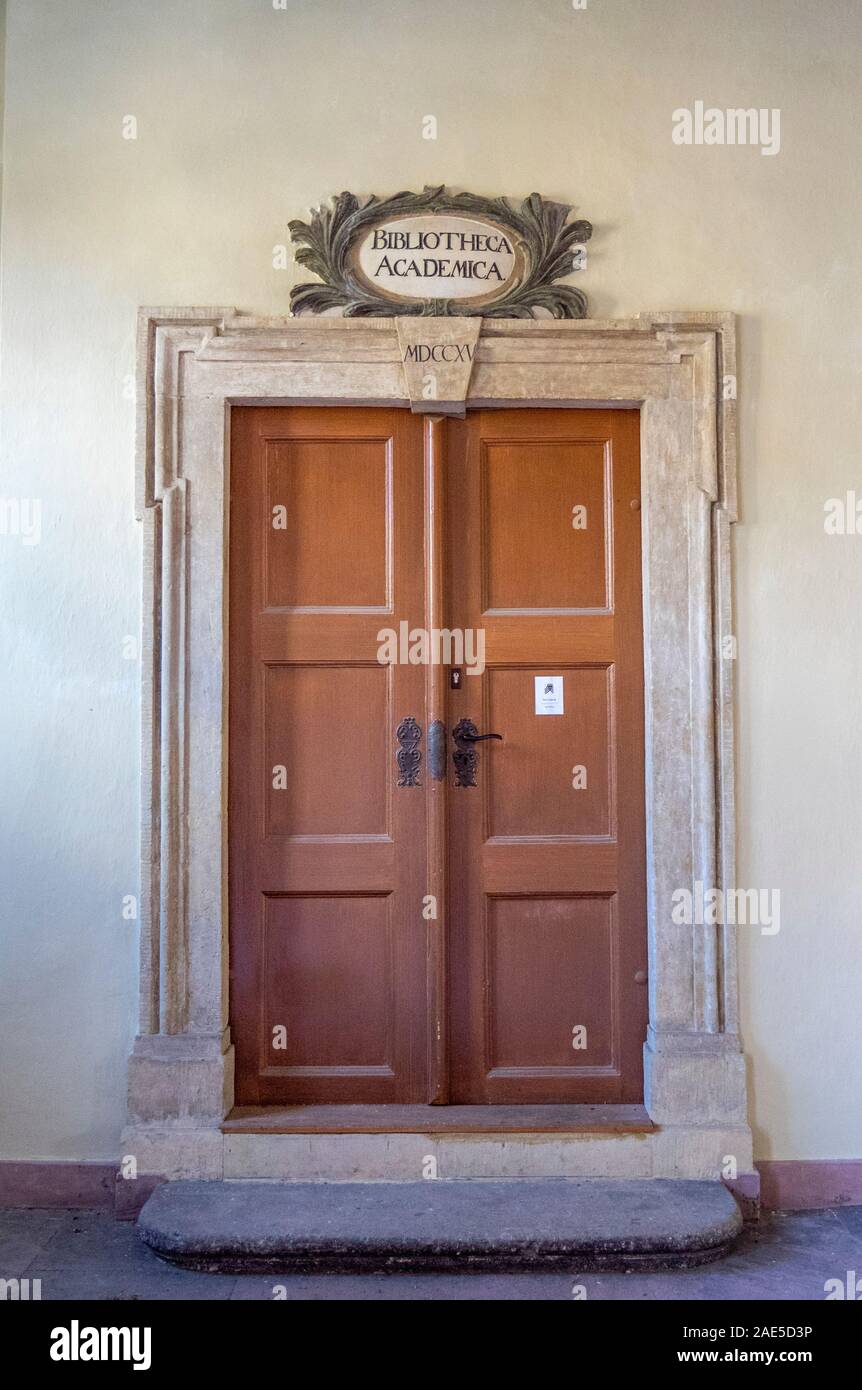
(464, 1226)
(400, 1157)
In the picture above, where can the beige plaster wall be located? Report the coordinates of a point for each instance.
(2, 100)
(246, 114)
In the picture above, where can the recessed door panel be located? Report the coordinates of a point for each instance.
(554, 778)
(550, 963)
(329, 540)
(327, 749)
(316, 950)
(552, 494)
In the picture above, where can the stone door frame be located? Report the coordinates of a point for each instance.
(679, 370)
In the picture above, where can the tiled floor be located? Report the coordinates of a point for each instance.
(89, 1255)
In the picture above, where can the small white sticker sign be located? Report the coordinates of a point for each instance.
(549, 694)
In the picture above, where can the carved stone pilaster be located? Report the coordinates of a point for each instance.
(179, 1074)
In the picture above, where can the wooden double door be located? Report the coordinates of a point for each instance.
(420, 912)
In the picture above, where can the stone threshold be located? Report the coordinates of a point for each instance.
(553, 1223)
(438, 1119)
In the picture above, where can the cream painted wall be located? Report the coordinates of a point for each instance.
(2, 101)
(247, 115)
(2, 89)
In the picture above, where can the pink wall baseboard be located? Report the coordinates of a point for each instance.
(785, 1184)
(797, 1184)
(56, 1184)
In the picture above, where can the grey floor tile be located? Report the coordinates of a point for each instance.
(812, 1242)
(851, 1219)
(641, 1287)
(710, 1282)
(407, 1287)
(90, 1256)
(24, 1234)
(747, 1287)
(34, 1219)
(123, 1287)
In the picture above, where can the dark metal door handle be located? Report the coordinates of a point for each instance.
(464, 735)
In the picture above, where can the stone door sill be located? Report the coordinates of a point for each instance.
(438, 1119)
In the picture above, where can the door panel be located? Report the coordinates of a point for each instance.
(559, 568)
(548, 958)
(327, 936)
(547, 892)
(528, 788)
(327, 486)
(303, 707)
(318, 950)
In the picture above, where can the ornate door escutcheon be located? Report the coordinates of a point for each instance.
(408, 755)
(464, 735)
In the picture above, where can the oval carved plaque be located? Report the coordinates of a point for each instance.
(439, 257)
(438, 254)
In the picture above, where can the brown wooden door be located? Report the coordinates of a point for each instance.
(327, 864)
(547, 892)
(343, 989)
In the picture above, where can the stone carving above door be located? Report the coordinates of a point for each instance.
(440, 254)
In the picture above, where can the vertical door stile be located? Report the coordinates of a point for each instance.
(436, 779)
